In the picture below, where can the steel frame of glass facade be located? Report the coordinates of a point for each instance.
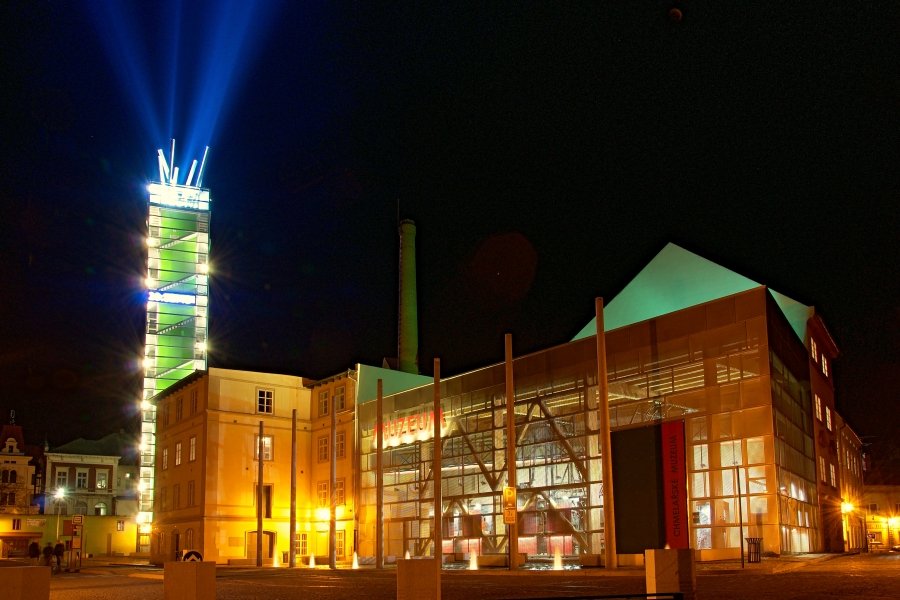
(557, 461)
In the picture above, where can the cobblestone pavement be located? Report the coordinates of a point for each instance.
(813, 577)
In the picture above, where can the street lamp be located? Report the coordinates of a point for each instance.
(59, 495)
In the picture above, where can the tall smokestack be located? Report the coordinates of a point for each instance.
(408, 335)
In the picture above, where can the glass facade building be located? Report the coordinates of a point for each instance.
(177, 304)
(732, 370)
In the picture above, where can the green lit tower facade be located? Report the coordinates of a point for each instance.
(177, 282)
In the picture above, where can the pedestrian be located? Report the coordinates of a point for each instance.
(34, 552)
(48, 554)
(58, 552)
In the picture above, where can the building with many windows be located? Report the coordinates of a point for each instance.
(721, 380)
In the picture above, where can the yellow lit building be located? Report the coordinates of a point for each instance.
(207, 466)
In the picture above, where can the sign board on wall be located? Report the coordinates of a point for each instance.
(674, 484)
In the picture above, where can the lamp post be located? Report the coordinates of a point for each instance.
(59, 495)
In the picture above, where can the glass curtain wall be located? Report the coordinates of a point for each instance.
(709, 365)
(558, 467)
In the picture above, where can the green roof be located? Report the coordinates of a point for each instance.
(392, 382)
(677, 279)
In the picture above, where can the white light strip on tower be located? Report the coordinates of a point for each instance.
(172, 162)
(163, 167)
(191, 173)
(202, 164)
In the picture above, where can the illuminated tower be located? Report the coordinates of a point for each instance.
(177, 298)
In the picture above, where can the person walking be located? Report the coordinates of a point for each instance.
(48, 554)
(58, 552)
(34, 552)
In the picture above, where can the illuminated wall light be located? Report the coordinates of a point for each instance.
(323, 514)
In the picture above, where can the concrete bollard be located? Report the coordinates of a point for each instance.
(418, 579)
(671, 571)
(25, 583)
(190, 580)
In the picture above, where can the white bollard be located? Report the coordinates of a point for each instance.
(25, 583)
(190, 580)
(671, 570)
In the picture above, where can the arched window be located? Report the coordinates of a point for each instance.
(4, 477)
(100, 509)
(12, 476)
(81, 507)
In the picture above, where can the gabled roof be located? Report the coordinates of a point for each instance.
(115, 444)
(677, 279)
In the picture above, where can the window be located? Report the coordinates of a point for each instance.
(824, 365)
(323, 403)
(189, 539)
(322, 448)
(340, 444)
(833, 478)
(266, 499)
(165, 459)
(102, 480)
(100, 509)
(176, 496)
(813, 350)
(267, 447)
(322, 493)
(166, 414)
(190, 493)
(193, 402)
(873, 508)
(339, 398)
(822, 468)
(62, 478)
(177, 454)
(339, 492)
(818, 407)
(120, 525)
(7, 498)
(17, 524)
(192, 449)
(162, 499)
(301, 544)
(339, 542)
(264, 401)
(81, 479)
(179, 409)
(828, 418)
(8, 476)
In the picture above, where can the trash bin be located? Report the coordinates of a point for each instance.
(754, 549)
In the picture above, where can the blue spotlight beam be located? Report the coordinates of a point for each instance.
(179, 62)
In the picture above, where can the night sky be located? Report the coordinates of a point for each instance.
(546, 151)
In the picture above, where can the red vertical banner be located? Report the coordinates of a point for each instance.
(674, 484)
